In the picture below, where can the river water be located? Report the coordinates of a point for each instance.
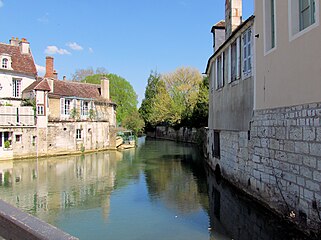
(160, 190)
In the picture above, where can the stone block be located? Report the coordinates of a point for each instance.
(295, 133)
(306, 172)
(289, 177)
(289, 146)
(280, 132)
(318, 134)
(307, 194)
(274, 144)
(313, 186)
(315, 149)
(301, 147)
(300, 181)
(310, 161)
(317, 176)
(309, 133)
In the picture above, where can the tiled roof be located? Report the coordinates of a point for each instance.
(75, 89)
(43, 85)
(21, 63)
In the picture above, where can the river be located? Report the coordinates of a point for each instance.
(160, 190)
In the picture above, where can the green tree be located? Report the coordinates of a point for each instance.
(147, 105)
(177, 94)
(200, 111)
(121, 92)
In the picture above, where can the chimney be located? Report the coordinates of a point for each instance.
(14, 41)
(104, 83)
(24, 46)
(49, 67)
(218, 31)
(233, 16)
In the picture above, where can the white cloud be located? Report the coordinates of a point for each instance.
(1, 3)
(55, 50)
(41, 69)
(74, 46)
(90, 50)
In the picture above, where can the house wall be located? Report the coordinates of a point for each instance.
(54, 109)
(290, 75)
(6, 84)
(231, 107)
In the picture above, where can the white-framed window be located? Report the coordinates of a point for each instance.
(247, 52)
(235, 60)
(78, 134)
(40, 110)
(269, 13)
(16, 87)
(65, 106)
(303, 16)
(307, 13)
(220, 71)
(84, 108)
(5, 63)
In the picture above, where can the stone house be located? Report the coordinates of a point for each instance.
(231, 73)
(71, 116)
(265, 135)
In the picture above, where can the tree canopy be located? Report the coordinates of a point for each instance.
(121, 92)
(173, 98)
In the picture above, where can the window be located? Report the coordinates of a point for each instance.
(217, 150)
(16, 87)
(34, 140)
(40, 110)
(247, 52)
(78, 134)
(303, 16)
(219, 71)
(65, 106)
(269, 25)
(5, 63)
(235, 60)
(307, 13)
(18, 137)
(84, 108)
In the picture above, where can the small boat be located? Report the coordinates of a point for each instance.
(125, 140)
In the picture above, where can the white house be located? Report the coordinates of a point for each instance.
(17, 70)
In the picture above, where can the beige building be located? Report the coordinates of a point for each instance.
(265, 130)
(287, 53)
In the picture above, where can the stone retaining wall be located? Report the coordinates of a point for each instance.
(278, 161)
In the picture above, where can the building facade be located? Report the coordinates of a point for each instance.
(265, 130)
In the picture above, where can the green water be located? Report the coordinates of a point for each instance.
(159, 190)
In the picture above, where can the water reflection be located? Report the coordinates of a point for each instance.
(158, 191)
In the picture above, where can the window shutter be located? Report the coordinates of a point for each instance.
(62, 106)
(216, 73)
(229, 66)
(238, 58)
(222, 69)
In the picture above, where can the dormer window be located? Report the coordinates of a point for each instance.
(5, 63)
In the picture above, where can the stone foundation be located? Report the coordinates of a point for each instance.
(278, 161)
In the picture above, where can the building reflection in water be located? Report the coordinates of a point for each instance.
(81, 182)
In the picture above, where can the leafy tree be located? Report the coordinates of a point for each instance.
(81, 74)
(176, 96)
(200, 111)
(147, 105)
(134, 122)
(124, 95)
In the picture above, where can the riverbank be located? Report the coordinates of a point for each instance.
(190, 136)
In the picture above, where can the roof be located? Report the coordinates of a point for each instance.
(68, 89)
(75, 89)
(227, 40)
(21, 63)
(219, 25)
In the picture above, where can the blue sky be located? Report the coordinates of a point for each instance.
(129, 38)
